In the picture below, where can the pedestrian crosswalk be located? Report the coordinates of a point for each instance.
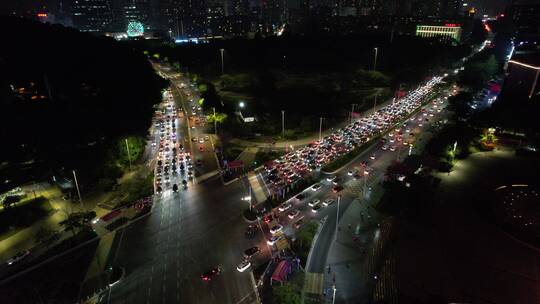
(256, 187)
(313, 283)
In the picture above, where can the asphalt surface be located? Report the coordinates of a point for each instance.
(194, 230)
(186, 98)
(187, 234)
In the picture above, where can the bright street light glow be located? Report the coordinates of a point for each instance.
(524, 64)
(241, 104)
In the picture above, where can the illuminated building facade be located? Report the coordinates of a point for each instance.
(446, 32)
(91, 15)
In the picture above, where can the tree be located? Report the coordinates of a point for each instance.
(46, 236)
(218, 118)
(307, 232)
(74, 222)
(460, 105)
(10, 200)
(287, 294)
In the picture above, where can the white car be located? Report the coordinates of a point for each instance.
(314, 202)
(293, 214)
(385, 147)
(316, 187)
(277, 228)
(273, 240)
(331, 178)
(392, 148)
(243, 266)
(351, 172)
(327, 202)
(201, 140)
(285, 207)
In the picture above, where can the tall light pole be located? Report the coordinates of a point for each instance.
(352, 111)
(375, 61)
(250, 203)
(375, 102)
(337, 216)
(320, 128)
(215, 122)
(283, 124)
(77, 186)
(535, 77)
(129, 155)
(222, 62)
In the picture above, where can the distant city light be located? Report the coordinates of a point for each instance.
(135, 29)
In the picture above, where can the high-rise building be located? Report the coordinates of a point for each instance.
(91, 15)
(240, 7)
(137, 11)
(274, 12)
(525, 18)
(215, 20)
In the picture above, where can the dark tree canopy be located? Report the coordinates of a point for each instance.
(95, 87)
(91, 92)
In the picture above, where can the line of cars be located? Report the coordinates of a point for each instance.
(296, 164)
(172, 158)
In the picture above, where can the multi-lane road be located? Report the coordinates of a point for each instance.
(194, 230)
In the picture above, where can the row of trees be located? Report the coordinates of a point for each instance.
(99, 92)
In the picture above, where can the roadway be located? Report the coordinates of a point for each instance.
(187, 234)
(191, 231)
(199, 142)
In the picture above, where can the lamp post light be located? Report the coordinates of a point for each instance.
(320, 128)
(129, 155)
(337, 216)
(283, 124)
(375, 61)
(77, 186)
(215, 121)
(222, 62)
(375, 102)
(241, 104)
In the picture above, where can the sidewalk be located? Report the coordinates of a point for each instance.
(352, 258)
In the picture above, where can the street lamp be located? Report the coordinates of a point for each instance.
(320, 128)
(215, 121)
(77, 185)
(129, 155)
(529, 67)
(375, 61)
(222, 63)
(337, 215)
(283, 124)
(241, 104)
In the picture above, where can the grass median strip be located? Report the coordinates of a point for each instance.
(345, 159)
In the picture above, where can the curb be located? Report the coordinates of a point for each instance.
(352, 160)
(321, 222)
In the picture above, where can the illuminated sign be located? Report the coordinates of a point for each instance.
(42, 15)
(448, 31)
